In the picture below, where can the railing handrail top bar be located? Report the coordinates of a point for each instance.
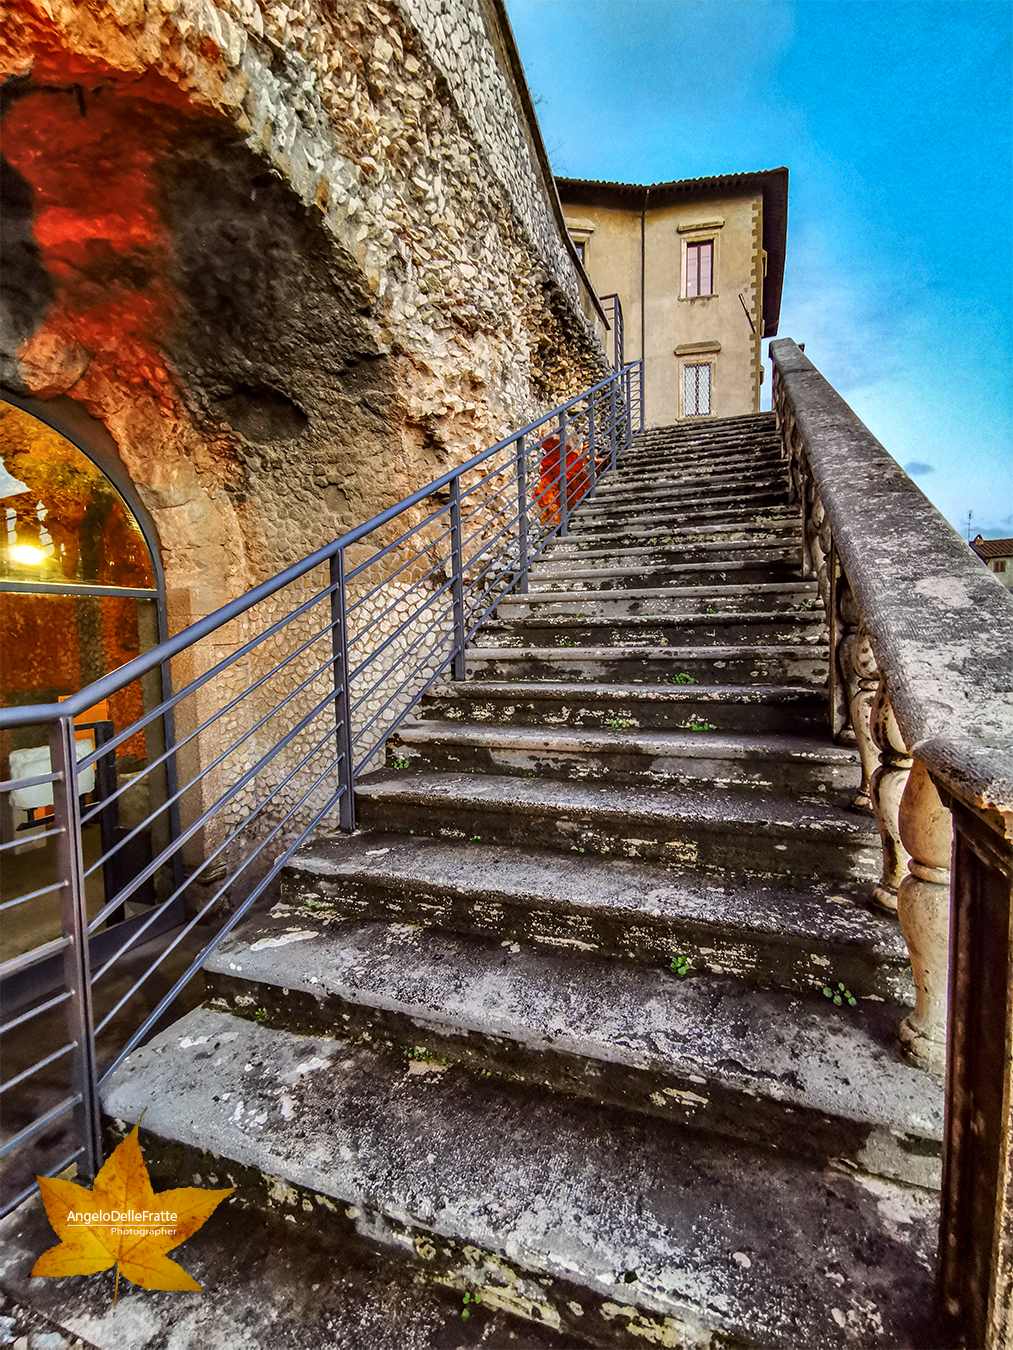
(951, 692)
(75, 704)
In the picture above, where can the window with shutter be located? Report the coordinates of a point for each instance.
(700, 268)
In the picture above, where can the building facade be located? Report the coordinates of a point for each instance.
(997, 555)
(698, 266)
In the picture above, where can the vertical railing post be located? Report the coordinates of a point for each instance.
(640, 387)
(342, 695)
(592, 466)
(74, 915)
(563, 510)
(457, 563)
(614, 428)
(522, 515)
(629, 409)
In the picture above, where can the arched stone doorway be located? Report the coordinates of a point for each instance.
(81, 594)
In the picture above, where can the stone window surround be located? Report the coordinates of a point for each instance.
(708, 231)
(580, 231)
(696, 354)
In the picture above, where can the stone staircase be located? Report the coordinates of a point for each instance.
(552, 1022)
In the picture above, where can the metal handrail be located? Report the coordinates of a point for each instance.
(300, 710)
(78, 703)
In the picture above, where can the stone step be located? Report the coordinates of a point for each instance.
(767, 522)
(795, 1074)
(659, 531)
(653, 665)
(707, 516)
(671, 485)
(649, 460)
(799, 597)
(740, 499)
(773, 836)
(663, 549)
(593, 1214)
(276, 1278)
(619, 754)
(756, 628)
(782, 528)
(572, 575)
(676, 440)
(770, 933)
(541, 703)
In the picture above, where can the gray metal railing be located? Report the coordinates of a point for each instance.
(614, 313)
(922, 674)
(283, 698)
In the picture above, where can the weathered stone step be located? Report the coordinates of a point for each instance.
(782, 526)
(656, 531)
(708, 516)
(771, 933)
(800, 597)
(649, 460)
(774, 836)
(653, 665)
(273, 1280)
(757, 628)
(739, 499)
(541, 703)
(662, 550)
(798, 1075)
(681, 440)
(570, 576)
(671, 486)
(619, 754)
(597, 1211)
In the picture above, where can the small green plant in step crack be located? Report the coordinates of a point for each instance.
(694, 725)
(679, 965)
(260, 1014)
(681, 678)
(396, 762)
(618, 723)
(840, 995)
(423, 1056)
(476, 1297)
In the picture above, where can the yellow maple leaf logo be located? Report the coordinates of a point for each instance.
(122, 1222)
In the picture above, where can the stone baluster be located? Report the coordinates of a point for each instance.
(886, 789)
(923, 908)
(860, 679)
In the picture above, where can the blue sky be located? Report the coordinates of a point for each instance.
(894, 118)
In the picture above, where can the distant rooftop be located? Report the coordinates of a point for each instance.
(773, 183)
(992, 548)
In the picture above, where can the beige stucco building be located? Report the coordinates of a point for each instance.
(697, 266)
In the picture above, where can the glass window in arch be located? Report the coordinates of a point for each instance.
(63, 521)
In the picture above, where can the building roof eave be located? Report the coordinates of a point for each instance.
(772, 183)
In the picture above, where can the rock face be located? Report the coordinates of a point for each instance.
(297, 260)
(555, 1022)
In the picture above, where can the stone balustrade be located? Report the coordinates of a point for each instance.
(922, 678)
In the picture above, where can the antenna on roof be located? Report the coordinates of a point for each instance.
(969, 515)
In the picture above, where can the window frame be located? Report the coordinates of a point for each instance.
(693, 363)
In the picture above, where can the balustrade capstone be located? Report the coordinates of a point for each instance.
(921, 666)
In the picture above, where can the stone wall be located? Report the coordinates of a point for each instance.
(298, 260)
(295, 264)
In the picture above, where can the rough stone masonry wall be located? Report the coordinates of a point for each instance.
(296, 264)
(267, 249)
